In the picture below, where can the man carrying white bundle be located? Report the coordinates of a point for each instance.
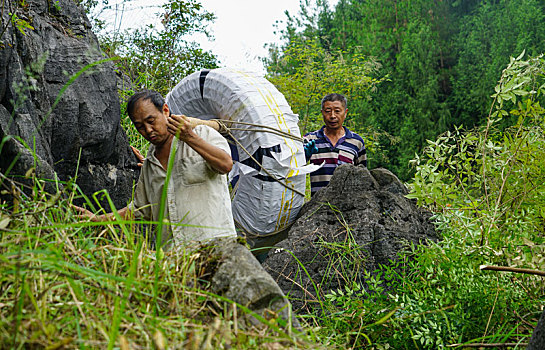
(197, 203)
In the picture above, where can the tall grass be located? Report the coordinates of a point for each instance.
(65, 283)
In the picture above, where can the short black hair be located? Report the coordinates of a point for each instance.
(153, 96)
(335, 97)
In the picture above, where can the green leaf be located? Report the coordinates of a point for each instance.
(384, 319)
(4, 222)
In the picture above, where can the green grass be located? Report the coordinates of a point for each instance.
(72, 284)
(84, 285)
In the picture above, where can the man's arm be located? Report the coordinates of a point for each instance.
(362, 155)
(218, 159)
(87, 214)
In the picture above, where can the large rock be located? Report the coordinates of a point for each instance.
(360, 221)
(61, 132)
(537, 341)
(239, 277)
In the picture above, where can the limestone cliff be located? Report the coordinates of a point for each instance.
(61, 128)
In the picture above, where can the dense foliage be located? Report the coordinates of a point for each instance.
(440, 59)
(434, 65)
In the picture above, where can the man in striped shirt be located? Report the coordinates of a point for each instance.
(335, 144)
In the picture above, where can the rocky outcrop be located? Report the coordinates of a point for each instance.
(346, 231)
(238, 276)
(537, 341)
(59, 101)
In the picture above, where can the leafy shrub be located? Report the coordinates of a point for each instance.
(487, 190)
(487, 186)
(493, 174)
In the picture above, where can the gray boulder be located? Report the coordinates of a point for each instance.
(63, 130)
(344, 233)
(238, 276)
(537, 341)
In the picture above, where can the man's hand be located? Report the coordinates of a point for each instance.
(138, 155)
(310, 148)
(181, 127)
(85, 214)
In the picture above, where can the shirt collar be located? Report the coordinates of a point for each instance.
(321, 132)
(151, 156)
(347, 133)
(151, 152)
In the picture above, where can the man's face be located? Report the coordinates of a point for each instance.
(334, 114)
(151, 122)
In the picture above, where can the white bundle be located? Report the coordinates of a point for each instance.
(269, 192)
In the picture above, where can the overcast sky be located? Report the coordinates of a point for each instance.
(241, 28)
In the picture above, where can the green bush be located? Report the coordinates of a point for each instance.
(487, 191)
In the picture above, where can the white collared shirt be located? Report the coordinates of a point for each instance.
(198, 205)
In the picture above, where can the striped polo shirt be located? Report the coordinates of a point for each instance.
(350, 149)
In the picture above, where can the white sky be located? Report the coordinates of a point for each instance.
(241, 28)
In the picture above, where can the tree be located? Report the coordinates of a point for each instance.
(441, 59)
(486, 39)
(159, 55)
(306, 72)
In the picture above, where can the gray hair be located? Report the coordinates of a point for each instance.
(335, 97)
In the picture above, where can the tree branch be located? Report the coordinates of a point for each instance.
(512, 269)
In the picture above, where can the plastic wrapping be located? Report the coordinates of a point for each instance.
(269, 168)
